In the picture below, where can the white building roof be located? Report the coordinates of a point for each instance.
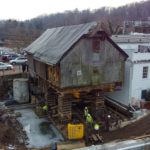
(133, 38)
(130, 44)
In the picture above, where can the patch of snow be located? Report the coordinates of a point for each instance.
(137, 33)
(31, 124)
(137, 115)
(140, 114)
(11, 147)
(2, 105)
(27, 128)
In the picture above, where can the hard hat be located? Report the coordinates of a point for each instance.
(85, 107)
(108, 116)
(96, 126)
(88, 114)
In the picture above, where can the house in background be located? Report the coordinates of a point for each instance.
(141, 26)
(137, 69)
(78, 58)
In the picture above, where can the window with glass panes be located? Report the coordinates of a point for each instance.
(96, 45)
(145, 72)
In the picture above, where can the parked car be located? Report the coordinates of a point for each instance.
(18, 60)
(5, 66)
(12, 57)
(4, 57)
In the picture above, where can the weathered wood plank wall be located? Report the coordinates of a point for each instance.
(53, 75)
(31, 65)
(46, 72)
(40, 69)
(84, 66)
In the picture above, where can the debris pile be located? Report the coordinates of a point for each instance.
(138, 128)
(8, 134)
(11, 130)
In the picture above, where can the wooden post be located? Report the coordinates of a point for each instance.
(51, 101)
(65, 108)
(98, 104)
(51, 97)
(99, 101)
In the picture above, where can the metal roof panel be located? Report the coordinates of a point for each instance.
(55, 42)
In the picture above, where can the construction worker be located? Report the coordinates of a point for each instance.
(119, 123)
(96, 128)
(89, 120)
(107, 122)
(96, 131)
(86, 112)
(45, 109)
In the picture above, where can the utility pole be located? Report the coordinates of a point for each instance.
(124, 27)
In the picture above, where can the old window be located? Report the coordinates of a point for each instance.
(143, 94)
(145, 72)
(96, 45)
(95, 70)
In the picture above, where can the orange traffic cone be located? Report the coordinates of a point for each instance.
(13, 69)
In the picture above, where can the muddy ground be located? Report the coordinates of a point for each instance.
(11, 133)
(138, 128)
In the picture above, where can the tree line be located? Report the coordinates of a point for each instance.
(111, 18)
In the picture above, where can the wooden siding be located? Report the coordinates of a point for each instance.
(30, 61)
(85, 67)
(47, 72)
(31, 65)
(53, 75)
(40, 69)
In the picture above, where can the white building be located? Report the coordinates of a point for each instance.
(137, 69)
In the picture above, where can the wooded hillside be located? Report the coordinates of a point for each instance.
(29, 30)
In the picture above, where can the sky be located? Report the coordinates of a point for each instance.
(27, 9)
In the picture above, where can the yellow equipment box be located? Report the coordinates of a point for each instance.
(75, 131)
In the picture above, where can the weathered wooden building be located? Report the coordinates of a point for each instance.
(77, 58)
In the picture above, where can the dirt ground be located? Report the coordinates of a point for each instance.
(138, 128)
(11, 134)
